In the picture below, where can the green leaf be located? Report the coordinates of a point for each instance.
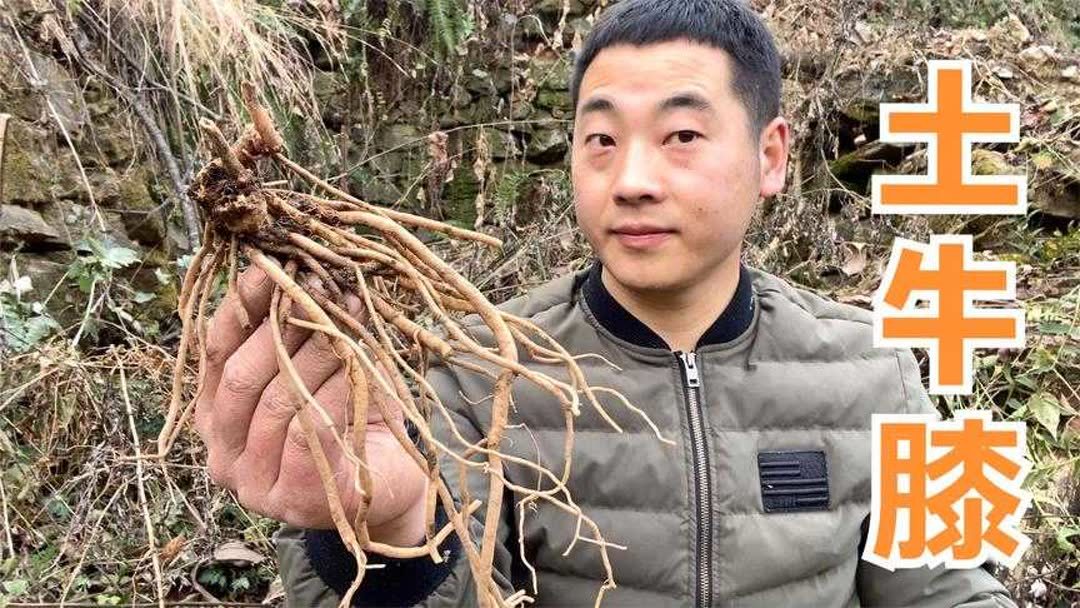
(85, 282)
(1027, 383)
(107, 254)
(91, 246)
(142, 297)
(1047, 411)
(1063, 535)
(58, 508)
(16, 587)
(119, 257)
(1054, 328)
(20, 329)
(213, 577)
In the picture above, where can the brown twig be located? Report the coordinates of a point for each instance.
(148, 522)
(3, 137)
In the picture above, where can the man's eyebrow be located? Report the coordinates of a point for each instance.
(597, 104)
(690, 100)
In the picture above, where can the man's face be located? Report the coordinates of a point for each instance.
(666, 170)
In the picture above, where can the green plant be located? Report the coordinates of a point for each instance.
(23, 324)
(233, 582)
(449, 22)
(93, 271)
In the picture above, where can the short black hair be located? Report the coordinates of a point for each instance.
(729, 25)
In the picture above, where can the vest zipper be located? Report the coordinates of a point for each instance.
(692, 387)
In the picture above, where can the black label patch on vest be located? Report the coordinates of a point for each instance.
(793, 481)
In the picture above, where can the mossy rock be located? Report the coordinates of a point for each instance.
(547, 145)
(33, 166)
(554, 8)
(460, 97)
(552, 74)
(141, 213)
(502, 145)
(24, 227)
(552, 100)
(863, 111)
(23, 178)
(108, 145)
(331, 93)
(1059, 195)
(459, 197)
(855, 168)
(372, 188)
(502, 79)
(19, 102)
(480, 83)
(523, 110)
(398, 135)
(989, 162)
(104, 183)
(75, 221)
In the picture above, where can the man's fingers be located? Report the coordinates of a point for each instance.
(265, 456)
(244, 379)
(396, 479)
(314, 362)
(238, 316)
(379, 397)
(250, 364)
(227, 330)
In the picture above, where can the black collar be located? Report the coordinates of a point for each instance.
(615, 318)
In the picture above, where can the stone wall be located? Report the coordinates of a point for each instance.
(51, 122)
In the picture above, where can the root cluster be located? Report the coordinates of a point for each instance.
(353, 247)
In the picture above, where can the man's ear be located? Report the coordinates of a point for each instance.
(773, 147)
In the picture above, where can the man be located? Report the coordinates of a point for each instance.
(677, 136)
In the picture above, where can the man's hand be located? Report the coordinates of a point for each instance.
(246, 415)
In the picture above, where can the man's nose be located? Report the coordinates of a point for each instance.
(638, 180)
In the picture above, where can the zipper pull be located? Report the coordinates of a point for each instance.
(693, 379)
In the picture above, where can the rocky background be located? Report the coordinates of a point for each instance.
(460, 111)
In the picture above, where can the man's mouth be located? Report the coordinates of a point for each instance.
(641, 236)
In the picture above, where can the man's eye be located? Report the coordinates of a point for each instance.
(685, 136)
(603, 140)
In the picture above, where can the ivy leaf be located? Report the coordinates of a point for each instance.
(119, 257)
(1047, 411)
(16, 587)
(22, 332)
